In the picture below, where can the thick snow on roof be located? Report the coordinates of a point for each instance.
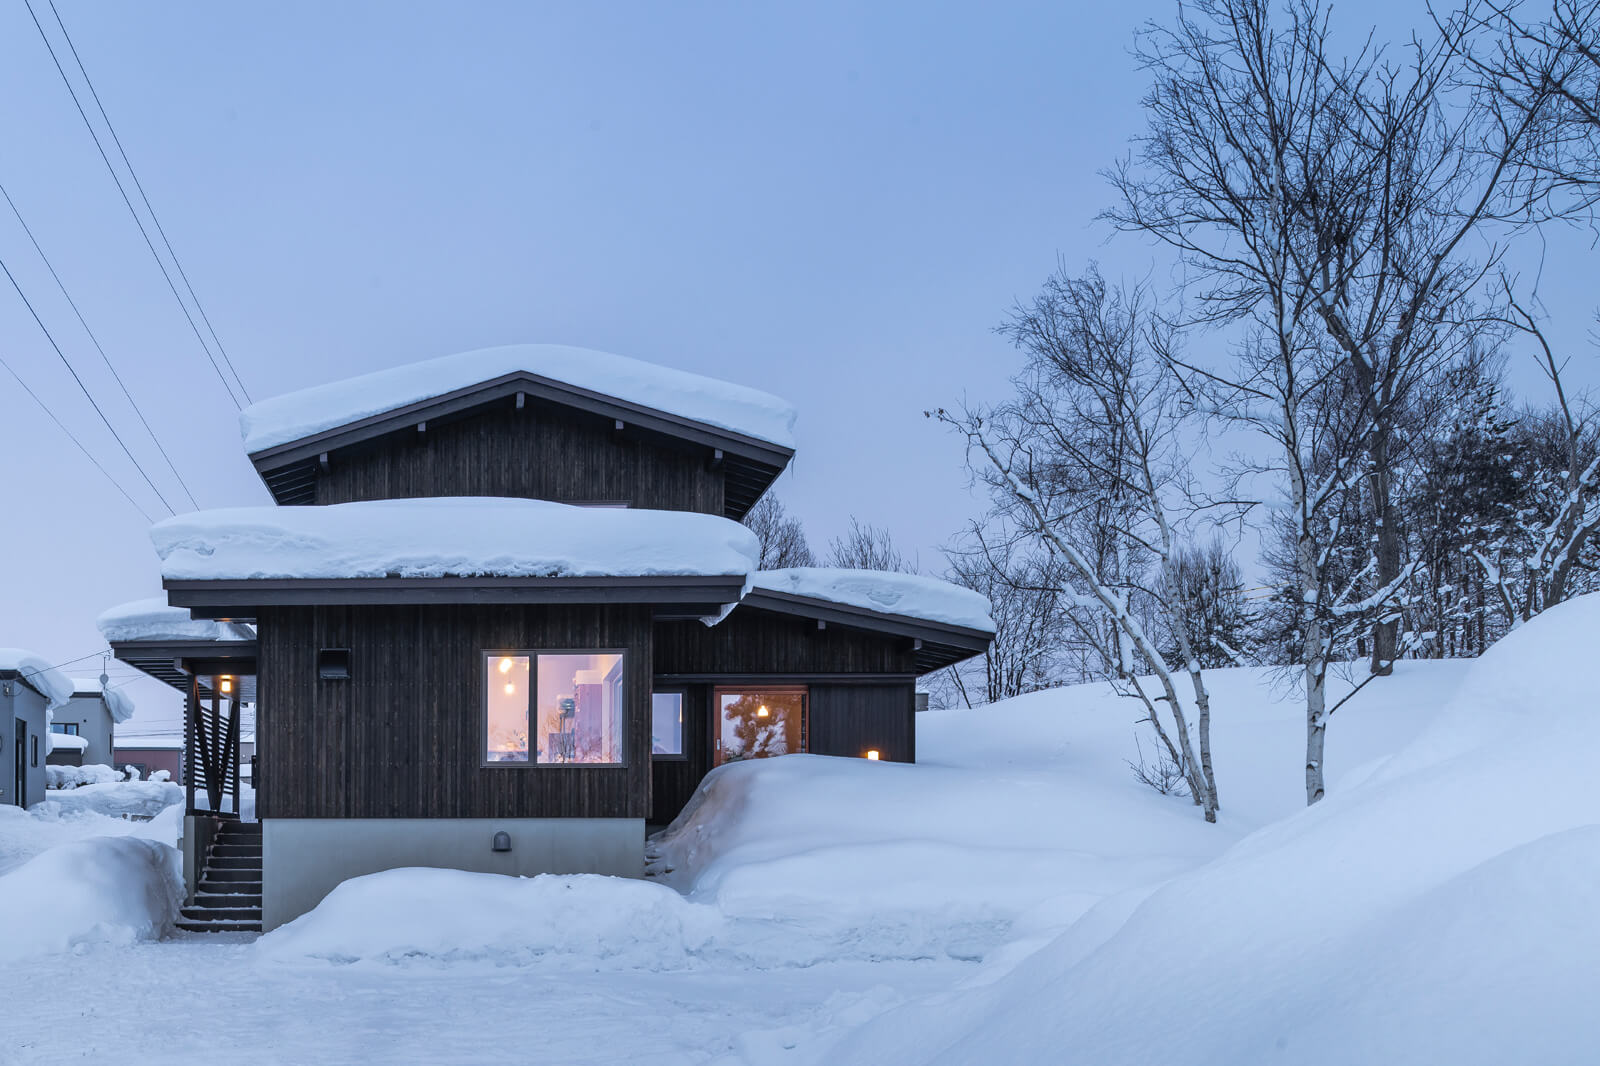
(297, 415)
(116, 701)
(60, 741)
(912, 595)
(450, 537)
(153, 619)
(38, 672)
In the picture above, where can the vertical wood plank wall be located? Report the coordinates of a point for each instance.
(402, 737)
(540, 454)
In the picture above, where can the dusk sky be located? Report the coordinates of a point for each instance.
(834, 203)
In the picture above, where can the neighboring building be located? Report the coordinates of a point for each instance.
(511, 684)
(150, 754)
(91, 716)
(29, 690)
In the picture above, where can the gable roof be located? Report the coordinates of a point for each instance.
(36, 672)
(751, 431)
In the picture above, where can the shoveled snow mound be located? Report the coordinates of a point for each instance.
(1441, 910)
(452, 915)
(464, 536)
(38, 672)
(911, 595)
(117, 702)
(104, 890)
(1016, 819)
(296, 415)
(153, 619)
(139, 799)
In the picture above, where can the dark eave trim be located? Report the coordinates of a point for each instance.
(507, 386)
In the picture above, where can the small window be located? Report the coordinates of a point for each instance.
(69, 729)
(554, 708)
(666, 723)
(35, 739)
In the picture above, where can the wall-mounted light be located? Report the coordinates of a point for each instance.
(762, 712)
(227, 685)
(872, 753)
(501, 841)
(333, 664)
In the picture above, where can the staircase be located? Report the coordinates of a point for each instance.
(228, 896)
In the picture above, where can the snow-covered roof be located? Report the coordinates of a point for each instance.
(449, 537)
(117, 702)
(908, 595)
(153, 619)
(59, 741)
(161, 743)
(297, 415)
(37, 671)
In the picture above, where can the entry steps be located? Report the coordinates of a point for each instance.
(227, 898)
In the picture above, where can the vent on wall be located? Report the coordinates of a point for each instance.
(333, 664)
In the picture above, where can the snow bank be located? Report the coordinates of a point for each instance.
(452, 915)
(38, 672)
(153, 619)
(117, 702)
(105, 890)
(69, 777)
(714, 403)
(1438, 910)
(465, 536)
(116, 797)
(911, 595)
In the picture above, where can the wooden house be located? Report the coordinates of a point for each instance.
(448, 673)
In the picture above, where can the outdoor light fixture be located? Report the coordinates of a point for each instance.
(333, 664)
(761, 712)
(501, 842)
(227, 685)
(872, 753)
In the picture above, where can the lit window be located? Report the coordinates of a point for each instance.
(666, 723)
(556, 708)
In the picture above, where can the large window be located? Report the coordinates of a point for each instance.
(666, 723)
(760, 722)
(554, 708)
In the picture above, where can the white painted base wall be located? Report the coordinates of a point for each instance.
(304, 858)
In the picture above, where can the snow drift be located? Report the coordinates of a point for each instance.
(1441, 910)
(449, 537)
(301, 414)
(104, 890)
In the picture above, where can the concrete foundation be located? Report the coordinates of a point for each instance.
(304, 858)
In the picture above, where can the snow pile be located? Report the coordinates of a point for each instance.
(38, 672)
(1439, 910)
(115, 798)
(105, 890)
(117, 702)
(153, 619)
(65, 742)
(67, 777)
(911, 595)
(291, 417)
(463, 536)
(451, 915)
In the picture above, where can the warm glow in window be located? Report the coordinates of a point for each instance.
(580, 714)
(508, 693)
(666, 723)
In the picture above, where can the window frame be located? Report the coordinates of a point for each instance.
(533, 654)
(682, 692)
(65, 729)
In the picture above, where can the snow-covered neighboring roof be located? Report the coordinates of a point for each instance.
(37, 671)
(162, 743)
(62, 740)
(117, 702)
(297, 415)
(153, 619)
(910, 595)
(449, 537)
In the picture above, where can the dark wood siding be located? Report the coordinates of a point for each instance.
(542, 454)
(402, 737)
(673, 781)
(851, 719)
(765, 643)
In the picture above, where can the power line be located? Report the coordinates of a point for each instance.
(62, 426)
(138, 221)
(84, 388)
(96, 340)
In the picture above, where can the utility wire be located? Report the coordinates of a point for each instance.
(145, 233)
(84, 388)
(96, 340)
(87, 454)
(139, 186)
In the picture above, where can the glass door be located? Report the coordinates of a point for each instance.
(760, 721)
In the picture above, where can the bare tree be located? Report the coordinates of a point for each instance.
(783, 541)
(1088, 462)
(868, 547)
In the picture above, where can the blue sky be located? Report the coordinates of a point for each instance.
(835, 203)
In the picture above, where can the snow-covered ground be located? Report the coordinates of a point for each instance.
(1014, 897)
